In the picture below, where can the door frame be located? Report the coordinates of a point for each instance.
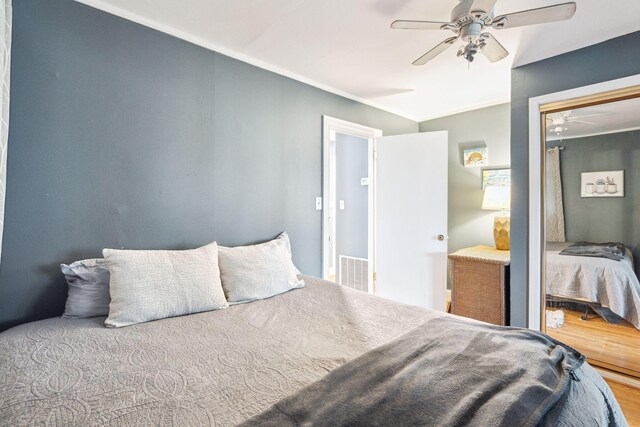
(536, 236)
(331, 126)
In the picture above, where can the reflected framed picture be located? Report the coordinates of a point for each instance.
(474, 157)
(602, 184)
(496, 176)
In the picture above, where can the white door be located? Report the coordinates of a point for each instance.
(411, 219)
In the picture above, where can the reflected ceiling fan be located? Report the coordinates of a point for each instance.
(556, 122)
(470, 18)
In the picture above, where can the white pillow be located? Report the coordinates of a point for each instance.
(285, 236)
(150, 285)
(256, 272)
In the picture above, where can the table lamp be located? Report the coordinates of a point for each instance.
(498, 198)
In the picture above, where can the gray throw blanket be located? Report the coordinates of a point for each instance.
(446, 372)
(610, 250)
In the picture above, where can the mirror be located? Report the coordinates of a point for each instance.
(591, 257)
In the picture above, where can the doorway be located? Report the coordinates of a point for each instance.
(348, 170)
(405, 194)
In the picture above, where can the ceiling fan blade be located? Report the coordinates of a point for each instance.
(592, 115)
(581, 122)
(558, 12)
(435, 51)
(418, 25)
(483, 5)
(492, 49)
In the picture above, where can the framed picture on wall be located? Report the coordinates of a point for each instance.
(602, 184)
(476, 156)
(496, 176)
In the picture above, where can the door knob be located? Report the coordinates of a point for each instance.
(441, 237)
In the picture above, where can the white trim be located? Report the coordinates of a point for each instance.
(373, 179)
(619, 378)
(331, 125)
(130, 16)
(535, 180)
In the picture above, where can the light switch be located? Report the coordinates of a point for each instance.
(318, 203)
(341, 205)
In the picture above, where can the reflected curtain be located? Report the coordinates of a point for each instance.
(553, 197)
(5, 68)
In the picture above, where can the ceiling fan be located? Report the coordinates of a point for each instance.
(556, 122)
(471, 17)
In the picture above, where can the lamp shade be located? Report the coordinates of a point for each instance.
(497, 197)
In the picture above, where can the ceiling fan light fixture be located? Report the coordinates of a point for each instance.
(468, 51)
(559, 129)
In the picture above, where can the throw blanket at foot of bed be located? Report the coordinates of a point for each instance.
(610, 250)
(446, 372)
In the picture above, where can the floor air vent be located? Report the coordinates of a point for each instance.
(354, 272)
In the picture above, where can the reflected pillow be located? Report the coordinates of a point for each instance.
(256, 272)
(150, 285)
(88, 281)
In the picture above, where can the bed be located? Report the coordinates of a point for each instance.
(221, 367)
(609, 283)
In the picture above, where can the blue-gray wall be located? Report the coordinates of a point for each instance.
(352, 223)
(602, 219)
(610, 60)
(121, 136)
(469, 225)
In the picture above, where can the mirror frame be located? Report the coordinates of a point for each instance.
(601, 93)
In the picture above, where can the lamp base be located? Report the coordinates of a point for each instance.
(501, 232)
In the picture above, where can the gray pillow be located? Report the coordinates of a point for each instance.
(88, 282)
(150, 285)
(256, 272)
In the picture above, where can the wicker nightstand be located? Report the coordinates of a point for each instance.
(480, 284)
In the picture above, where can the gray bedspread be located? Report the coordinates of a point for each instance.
(216, 368)
(613, 284)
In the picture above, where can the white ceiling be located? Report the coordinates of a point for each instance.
(614, 117)
(346, 46)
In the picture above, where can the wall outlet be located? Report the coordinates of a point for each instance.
(364, 181)
(318, 203)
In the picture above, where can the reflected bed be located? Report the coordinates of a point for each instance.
(609, 283)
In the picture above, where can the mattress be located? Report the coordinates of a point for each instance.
(215, 368)
(612, 284)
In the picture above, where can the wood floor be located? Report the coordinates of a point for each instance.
(629, 399)
(613, 345)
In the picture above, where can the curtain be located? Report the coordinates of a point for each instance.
(5, 68)
(553, 197)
